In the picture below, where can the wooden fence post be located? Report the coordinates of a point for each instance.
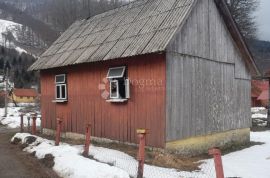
(28, 124)
(34, 124)
(141, 153)
(22, 126)
(41, 128)
(215, 152)
(58, 132)
(87, 140)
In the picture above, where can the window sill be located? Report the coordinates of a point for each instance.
(59, 101)
(116, 100)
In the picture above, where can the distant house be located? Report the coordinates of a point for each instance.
(179, 68)
(23, 95)
(259, 93)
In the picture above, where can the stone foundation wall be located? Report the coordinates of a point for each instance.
(201, 144)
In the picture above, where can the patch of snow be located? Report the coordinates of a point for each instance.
(257, 115)
(257, 109)
(20, 50)
(13, 119)
(247, 163)
(68, 161)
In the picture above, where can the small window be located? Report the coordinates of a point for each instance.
(116, 72)
(119, 84)
(60, 87)
(60, 78)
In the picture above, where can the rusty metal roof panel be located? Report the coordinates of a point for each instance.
(143, 26)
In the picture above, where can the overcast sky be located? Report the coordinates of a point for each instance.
(263, 20)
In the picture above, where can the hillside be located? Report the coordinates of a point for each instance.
(18, 63)
(261, 52)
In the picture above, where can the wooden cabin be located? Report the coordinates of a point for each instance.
(23, 95)
(179, 68)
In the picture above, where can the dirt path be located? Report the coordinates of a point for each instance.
(14, 163)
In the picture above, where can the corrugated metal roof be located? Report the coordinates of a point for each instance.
(141, 27)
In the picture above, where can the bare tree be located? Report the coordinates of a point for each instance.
(243, 13)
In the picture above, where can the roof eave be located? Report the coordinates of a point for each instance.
(237, 36)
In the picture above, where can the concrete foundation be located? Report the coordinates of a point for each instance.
(201, 144)
(190, 147)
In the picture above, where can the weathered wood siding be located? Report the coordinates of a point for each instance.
(117, 121)
(208, 83)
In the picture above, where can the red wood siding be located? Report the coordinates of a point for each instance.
(117, 121)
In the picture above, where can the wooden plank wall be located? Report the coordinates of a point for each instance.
(208, 83)
(117, 121)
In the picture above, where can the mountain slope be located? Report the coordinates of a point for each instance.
(9, 32)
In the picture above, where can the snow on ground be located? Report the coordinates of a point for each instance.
(258, 115)
(13, 119)
(257, 109)
(251, 162)
(9, 26)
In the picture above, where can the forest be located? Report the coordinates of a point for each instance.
(17, 63)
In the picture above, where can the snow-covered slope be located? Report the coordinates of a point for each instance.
(9, 33)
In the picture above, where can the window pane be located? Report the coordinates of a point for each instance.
(63, 88)
(114, 89)
(58, 92)
(116, 72)
(60, 78)
(122, 88)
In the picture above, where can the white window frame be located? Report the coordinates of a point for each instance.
(61, 84)
(64, 75)
(127, 88)
(61, 96)
(117, 89)
(117, 76)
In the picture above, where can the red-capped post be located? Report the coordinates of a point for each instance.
(216, 153)
(87, 140)
(34, 124)
(58, 131)
(22, 123)
(141, 153)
